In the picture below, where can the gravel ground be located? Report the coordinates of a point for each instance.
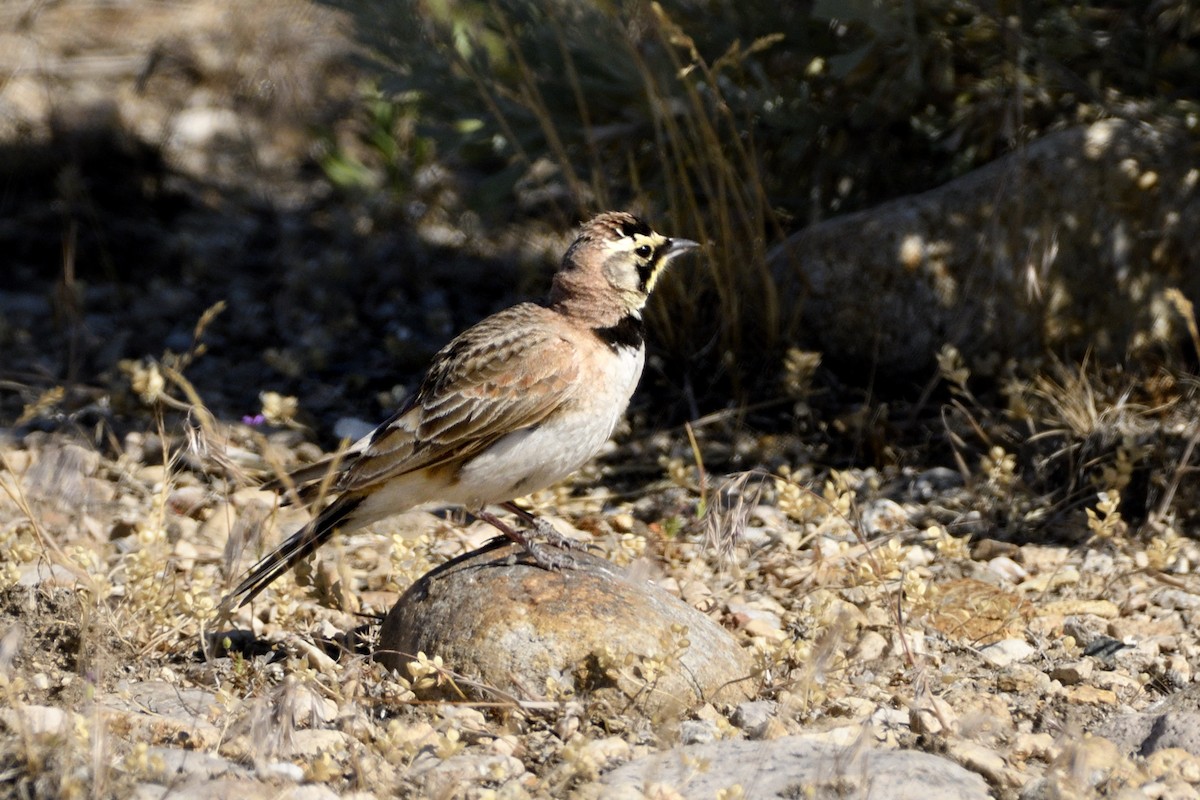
(1044, 669)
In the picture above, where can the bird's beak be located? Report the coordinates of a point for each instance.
(679, 246)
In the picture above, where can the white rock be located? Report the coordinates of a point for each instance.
(40, 720)
(890, 717)
(871, 647)
(1008, 569)
(198, 126)
(281, 769)
(1008, 651)
(884, 517)
(45, 575)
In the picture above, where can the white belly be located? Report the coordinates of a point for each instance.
(537, 457)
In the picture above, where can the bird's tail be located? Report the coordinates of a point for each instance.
(294, 550)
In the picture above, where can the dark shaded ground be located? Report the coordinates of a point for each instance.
(125, 265)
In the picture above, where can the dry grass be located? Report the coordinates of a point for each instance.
(687, 164)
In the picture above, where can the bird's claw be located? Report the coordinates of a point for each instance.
(550, 557)
(547, 533)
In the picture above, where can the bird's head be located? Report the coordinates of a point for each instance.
(615, 261)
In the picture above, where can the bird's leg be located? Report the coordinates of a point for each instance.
(554, 558)
(543, 529)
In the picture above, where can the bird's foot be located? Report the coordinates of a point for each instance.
(551, 557)
(548, 548)
(545, 532)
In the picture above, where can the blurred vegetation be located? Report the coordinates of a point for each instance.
(736, 122)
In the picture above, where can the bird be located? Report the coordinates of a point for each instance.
(513, 404)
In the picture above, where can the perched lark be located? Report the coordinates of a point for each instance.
(514, 404)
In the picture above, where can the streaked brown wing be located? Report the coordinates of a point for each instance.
(506, 373)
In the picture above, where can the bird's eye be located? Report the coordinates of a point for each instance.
(643, 251)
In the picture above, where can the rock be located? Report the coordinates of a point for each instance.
(931, 715)
(886, 717)
(1035, 745)
(795, 766)
(1176, 599)
(1105, 648)
(746, 613)
(160, 713)
(48, 576)
(310, 743)
(1091, 695)
(985, 718)
(1072, 672)
(62, 474)
(1125, 685)
(38, 720)
(698, 731)
(945, 264)
(870, 648)
(1105, 609)
(753, 717)
(225, 788)
(979, 612)
(883, 517)
(1145, 733)
(932, 482)
(1007, 569)
(171, 763)
(1006, 652)
(188, 500)
(1084, 629)
(281, 770)
(449, 777)
(983, 760)
(511, 626)
(1173, 762)
(15, 461)
(1095, 759)
(1140, 626)
(1016, 678)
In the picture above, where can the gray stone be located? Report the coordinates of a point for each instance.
(754, 716)
(193, 763)
(697, 731)
(1144, 733)
(509, 625)
(937, 251)
(162, 713)
(796, 766)
(449, 777)
(160, 697)
(1176, 599)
